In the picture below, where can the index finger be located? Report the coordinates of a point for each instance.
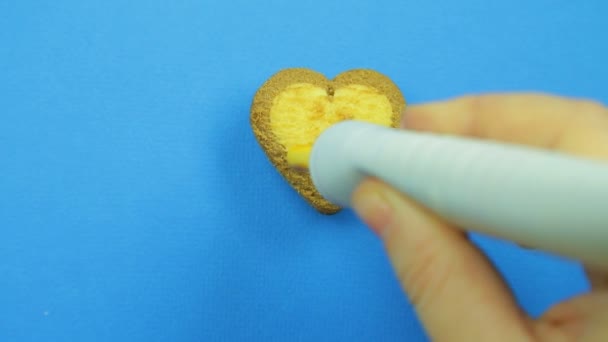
(569, 125)
(574, 126)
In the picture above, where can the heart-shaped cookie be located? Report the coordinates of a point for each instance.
(295, 106)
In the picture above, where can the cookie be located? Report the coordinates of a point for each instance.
(295, 106)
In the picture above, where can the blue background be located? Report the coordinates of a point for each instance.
(135, 203)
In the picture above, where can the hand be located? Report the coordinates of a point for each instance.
(457, 293)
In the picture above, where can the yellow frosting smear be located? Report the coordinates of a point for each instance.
(302, 111)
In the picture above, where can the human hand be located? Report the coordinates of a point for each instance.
(455, 290)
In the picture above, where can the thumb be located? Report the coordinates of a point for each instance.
(456, 292)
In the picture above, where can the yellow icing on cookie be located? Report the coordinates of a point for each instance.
(302, 111)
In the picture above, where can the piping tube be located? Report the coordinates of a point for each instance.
(538, 198)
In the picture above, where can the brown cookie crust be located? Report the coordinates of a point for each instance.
(262, 104)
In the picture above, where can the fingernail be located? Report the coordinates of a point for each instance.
(373, 208)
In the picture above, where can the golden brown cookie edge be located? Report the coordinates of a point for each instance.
(380, 82)
(300, 180)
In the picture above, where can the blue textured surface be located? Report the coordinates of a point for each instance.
(135, 203)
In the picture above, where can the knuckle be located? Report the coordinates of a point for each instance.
(427, 276)
(473, 108)
(590, 107)
(478, 103)
(474, 103)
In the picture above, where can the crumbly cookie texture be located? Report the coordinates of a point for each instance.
(295, 106)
